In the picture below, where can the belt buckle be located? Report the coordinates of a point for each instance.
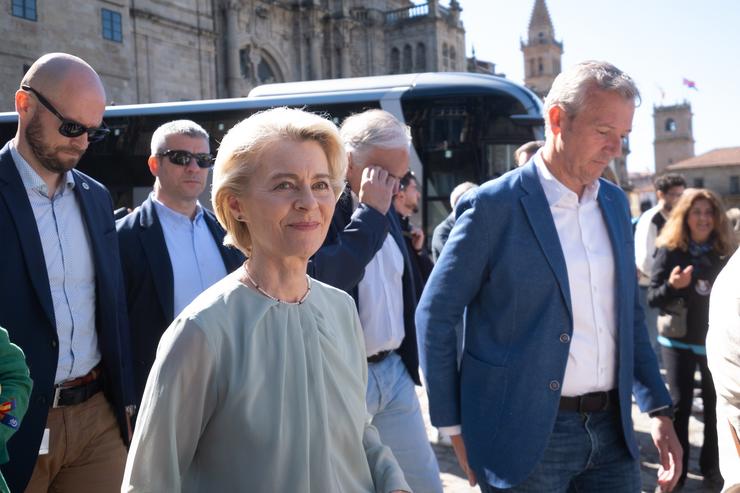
(57, 394)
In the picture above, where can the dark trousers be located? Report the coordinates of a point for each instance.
(680, 365)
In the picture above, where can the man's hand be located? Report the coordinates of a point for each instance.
(417, 238)
(377, 188)
(669, 451)
(679, 279)
(462, 458)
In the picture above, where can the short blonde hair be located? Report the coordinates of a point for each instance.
(241, 150)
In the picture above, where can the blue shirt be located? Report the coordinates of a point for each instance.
(69, 264)
(196, 260)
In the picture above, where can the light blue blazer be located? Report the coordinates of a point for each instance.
(503, 261)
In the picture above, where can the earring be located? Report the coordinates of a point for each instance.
(240, 218)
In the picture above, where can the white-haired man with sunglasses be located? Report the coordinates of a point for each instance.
(62, 295)
(171, 247)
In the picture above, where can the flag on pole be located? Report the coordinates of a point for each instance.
(690, 84)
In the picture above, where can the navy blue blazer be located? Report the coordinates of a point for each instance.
(351, 243)
(27, 312)
(503, 261)
(148, 278)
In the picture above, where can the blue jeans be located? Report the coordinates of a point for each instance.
(585, 453)
(392, 403)
(651, 320)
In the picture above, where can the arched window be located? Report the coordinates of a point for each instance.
(531, 67)
(408, 59)
(421, 57)
(445, 57)
(540, 66)
(453, 58)
(670, 125)
(395, 61)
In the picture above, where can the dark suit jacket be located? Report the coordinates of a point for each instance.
(351, 243)
(504, 267)
(27, 312)
(147, 274)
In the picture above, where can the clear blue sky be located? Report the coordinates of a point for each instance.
(658, 42)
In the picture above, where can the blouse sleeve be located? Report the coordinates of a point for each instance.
(178, 401)
(660, 292)
(385, 471)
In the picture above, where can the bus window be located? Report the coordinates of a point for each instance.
(462, 138)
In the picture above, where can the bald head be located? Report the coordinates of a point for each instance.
(58, 90)
(56, 74)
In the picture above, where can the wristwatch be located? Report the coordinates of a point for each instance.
(664, 411)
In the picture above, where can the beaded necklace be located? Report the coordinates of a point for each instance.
(273, 298)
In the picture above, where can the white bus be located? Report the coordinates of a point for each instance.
(465, 127)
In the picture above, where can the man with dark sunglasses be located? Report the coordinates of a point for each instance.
(63, 300)
(171, 247)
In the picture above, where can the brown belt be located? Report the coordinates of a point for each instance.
(78, 390)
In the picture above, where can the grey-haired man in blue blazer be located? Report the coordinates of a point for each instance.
(541, 263)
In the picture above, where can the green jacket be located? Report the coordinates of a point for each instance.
(15, 384)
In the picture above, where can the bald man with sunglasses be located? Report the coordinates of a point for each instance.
(62, 292)
(171, 247)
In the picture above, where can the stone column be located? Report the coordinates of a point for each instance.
(315, 41)
(346, 65)
(233, 69)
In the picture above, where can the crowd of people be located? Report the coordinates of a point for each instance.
(275, 344)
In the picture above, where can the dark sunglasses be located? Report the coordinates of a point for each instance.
(70, 128)
(183, 158)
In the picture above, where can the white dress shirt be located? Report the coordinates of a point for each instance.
(195, 258)
(646, 232)
(65, 242)
(584, 239)
(380, 298)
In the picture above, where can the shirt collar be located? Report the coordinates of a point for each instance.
(557, 193)
(31, 179)
(163, 209)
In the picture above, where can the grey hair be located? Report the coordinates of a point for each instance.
(177, 127)
(459, 191)
(571, 88)
(373, 128)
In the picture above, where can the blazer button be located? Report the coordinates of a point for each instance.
(53, 343)
(554, 385)
(564, 338)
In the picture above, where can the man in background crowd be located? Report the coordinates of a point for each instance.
(365, 254)
(171, 246)
(668, 189)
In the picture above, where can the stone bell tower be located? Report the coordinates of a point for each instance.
(542, 52)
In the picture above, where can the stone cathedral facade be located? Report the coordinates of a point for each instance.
(154, 51)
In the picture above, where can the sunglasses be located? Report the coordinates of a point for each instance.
(70, 128)
(183, 158)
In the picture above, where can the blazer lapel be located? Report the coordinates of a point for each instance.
(19, 207)
(155, 249)
(540, 219)
(608, 206)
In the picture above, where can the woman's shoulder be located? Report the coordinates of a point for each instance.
(332, 299)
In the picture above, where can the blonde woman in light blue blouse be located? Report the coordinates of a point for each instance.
(259, 384)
